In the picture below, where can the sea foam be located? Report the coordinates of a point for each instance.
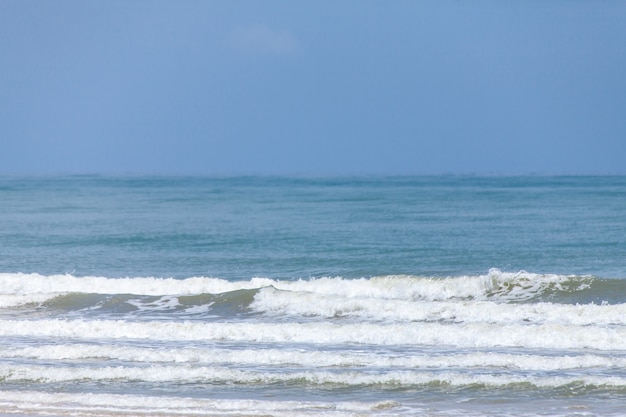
(553, 336)
(495, 284)
(311, 359)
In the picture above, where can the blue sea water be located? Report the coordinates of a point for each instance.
(342, 296)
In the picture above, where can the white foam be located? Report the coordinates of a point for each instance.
(7, 301)
(520, 285)
(202, 374)
(43, 403)
(502, 285)
(60, 284)
(308, 358)
(270, 300)
(549, 335)
(391, 298)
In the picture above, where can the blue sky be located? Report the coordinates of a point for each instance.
(312, 87)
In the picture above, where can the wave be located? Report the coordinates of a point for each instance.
(98, 404)
(20, 283)
(138, 355)
(275, 302)
(506, 286)
(217, 375)
(495, 298)
(524, 333)
(471, 335)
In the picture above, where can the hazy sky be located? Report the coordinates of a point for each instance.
(312, 87)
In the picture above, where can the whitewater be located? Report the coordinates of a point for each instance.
(313, 297)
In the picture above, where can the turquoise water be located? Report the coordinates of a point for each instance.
(237, 228)
(451, 295)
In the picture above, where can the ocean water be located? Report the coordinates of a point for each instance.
(262, 296)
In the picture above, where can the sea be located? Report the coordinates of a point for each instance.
(313, 296)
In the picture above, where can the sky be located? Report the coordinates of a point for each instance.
(318, 87)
